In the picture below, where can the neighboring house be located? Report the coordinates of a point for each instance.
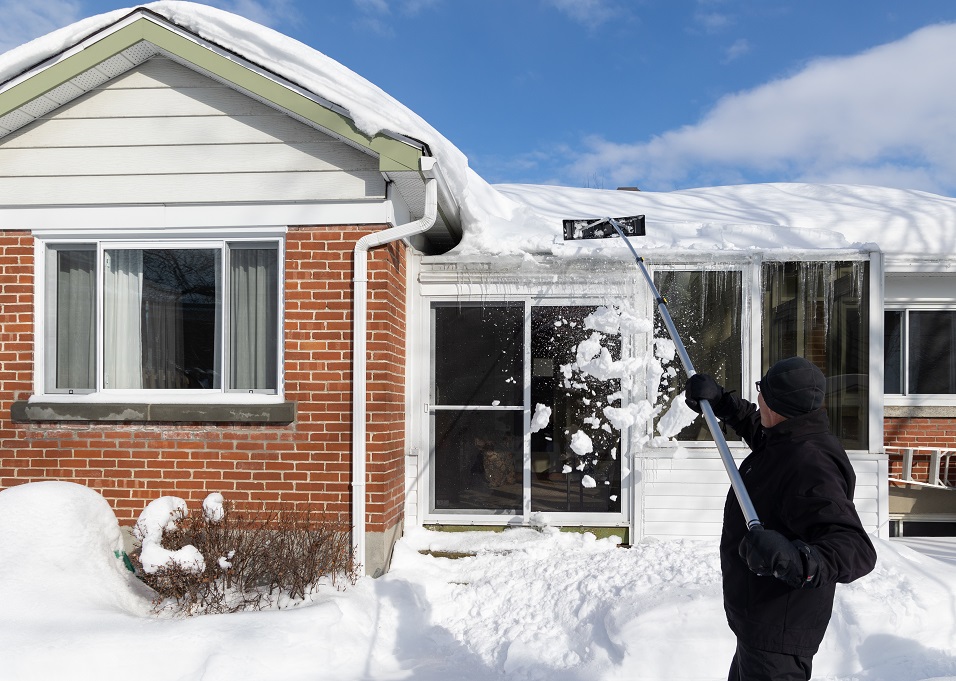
(229, 264)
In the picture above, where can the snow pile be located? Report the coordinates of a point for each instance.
(61, 547)
(526, 605)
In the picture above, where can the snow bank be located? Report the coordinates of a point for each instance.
(61, 547)
(526, 604)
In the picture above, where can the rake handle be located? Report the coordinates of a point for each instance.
(736, 482)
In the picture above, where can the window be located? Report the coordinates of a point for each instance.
(201, 316)
(478, 412)
(706, 309)
(918, 352)
(480, 452)
(819, 310)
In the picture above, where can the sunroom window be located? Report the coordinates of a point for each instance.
(706, 308)
(133, 317)
(820, 311)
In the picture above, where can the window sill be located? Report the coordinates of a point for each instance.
(913, 411)
(277, 413)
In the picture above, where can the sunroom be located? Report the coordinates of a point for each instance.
(553, 394)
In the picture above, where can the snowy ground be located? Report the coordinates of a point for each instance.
(532, 604)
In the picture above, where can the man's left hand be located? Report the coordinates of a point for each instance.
(767, 552)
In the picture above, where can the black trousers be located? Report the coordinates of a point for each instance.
(750, 664)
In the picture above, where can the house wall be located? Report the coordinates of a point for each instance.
(684, 497)
(306, 462)
(920, 431)
(163, 133)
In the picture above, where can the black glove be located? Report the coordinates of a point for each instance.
(767, 552)
(704, 387)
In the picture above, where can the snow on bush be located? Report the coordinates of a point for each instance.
(217, 560)
(160, 516)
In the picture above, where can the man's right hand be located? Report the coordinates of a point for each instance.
(704, 387)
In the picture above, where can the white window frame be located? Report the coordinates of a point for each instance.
(217, 239)
(905, 398)
(523, 515)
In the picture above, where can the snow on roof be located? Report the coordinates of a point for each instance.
(526, 219)
(765, 217)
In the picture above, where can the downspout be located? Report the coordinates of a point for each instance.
(359, 343)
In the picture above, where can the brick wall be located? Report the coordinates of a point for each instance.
(918, 432)
(305, 462)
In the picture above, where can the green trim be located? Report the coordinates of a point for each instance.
(393, 154)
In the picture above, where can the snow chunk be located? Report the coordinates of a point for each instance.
(541, 418)
(632, 414)
(581, 443)
(676, 418)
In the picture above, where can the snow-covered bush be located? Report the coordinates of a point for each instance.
(217, 559)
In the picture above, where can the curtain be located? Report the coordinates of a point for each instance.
(75, 317)
(163, 352)
(253, 318)
(122, 333)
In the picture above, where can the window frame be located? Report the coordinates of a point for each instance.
(906, 398)
(222, 241)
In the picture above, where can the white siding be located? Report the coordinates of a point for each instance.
(684, 497)
(162, 133)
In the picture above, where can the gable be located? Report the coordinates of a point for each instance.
(163, 133)
(39, 113)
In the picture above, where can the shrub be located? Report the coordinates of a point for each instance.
(269, 559)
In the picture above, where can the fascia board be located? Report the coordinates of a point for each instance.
(393, 154)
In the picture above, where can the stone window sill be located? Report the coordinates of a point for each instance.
(29, 412)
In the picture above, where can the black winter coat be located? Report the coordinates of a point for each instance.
(801, 483)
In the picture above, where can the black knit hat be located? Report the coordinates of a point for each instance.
(793, 386)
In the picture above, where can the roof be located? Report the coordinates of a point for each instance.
(523, 220)
(49, 72)
(786, 220)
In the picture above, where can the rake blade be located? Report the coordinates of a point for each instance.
(601, 228)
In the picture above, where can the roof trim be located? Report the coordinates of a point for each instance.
(394, 153)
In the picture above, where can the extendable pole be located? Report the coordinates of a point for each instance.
(736, 482)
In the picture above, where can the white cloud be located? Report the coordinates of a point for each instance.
(887, 115)
(589, 13)
(374, 13)
(410, 7)
(712, 22)
(24, 21)
(737, 50)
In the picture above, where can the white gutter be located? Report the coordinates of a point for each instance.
(429, 171)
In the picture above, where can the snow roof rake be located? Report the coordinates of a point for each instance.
(603, 228)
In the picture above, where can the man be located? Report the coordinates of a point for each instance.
(779, 579)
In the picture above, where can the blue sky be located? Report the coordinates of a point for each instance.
(661, 94)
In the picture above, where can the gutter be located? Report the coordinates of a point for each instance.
(429, 171)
